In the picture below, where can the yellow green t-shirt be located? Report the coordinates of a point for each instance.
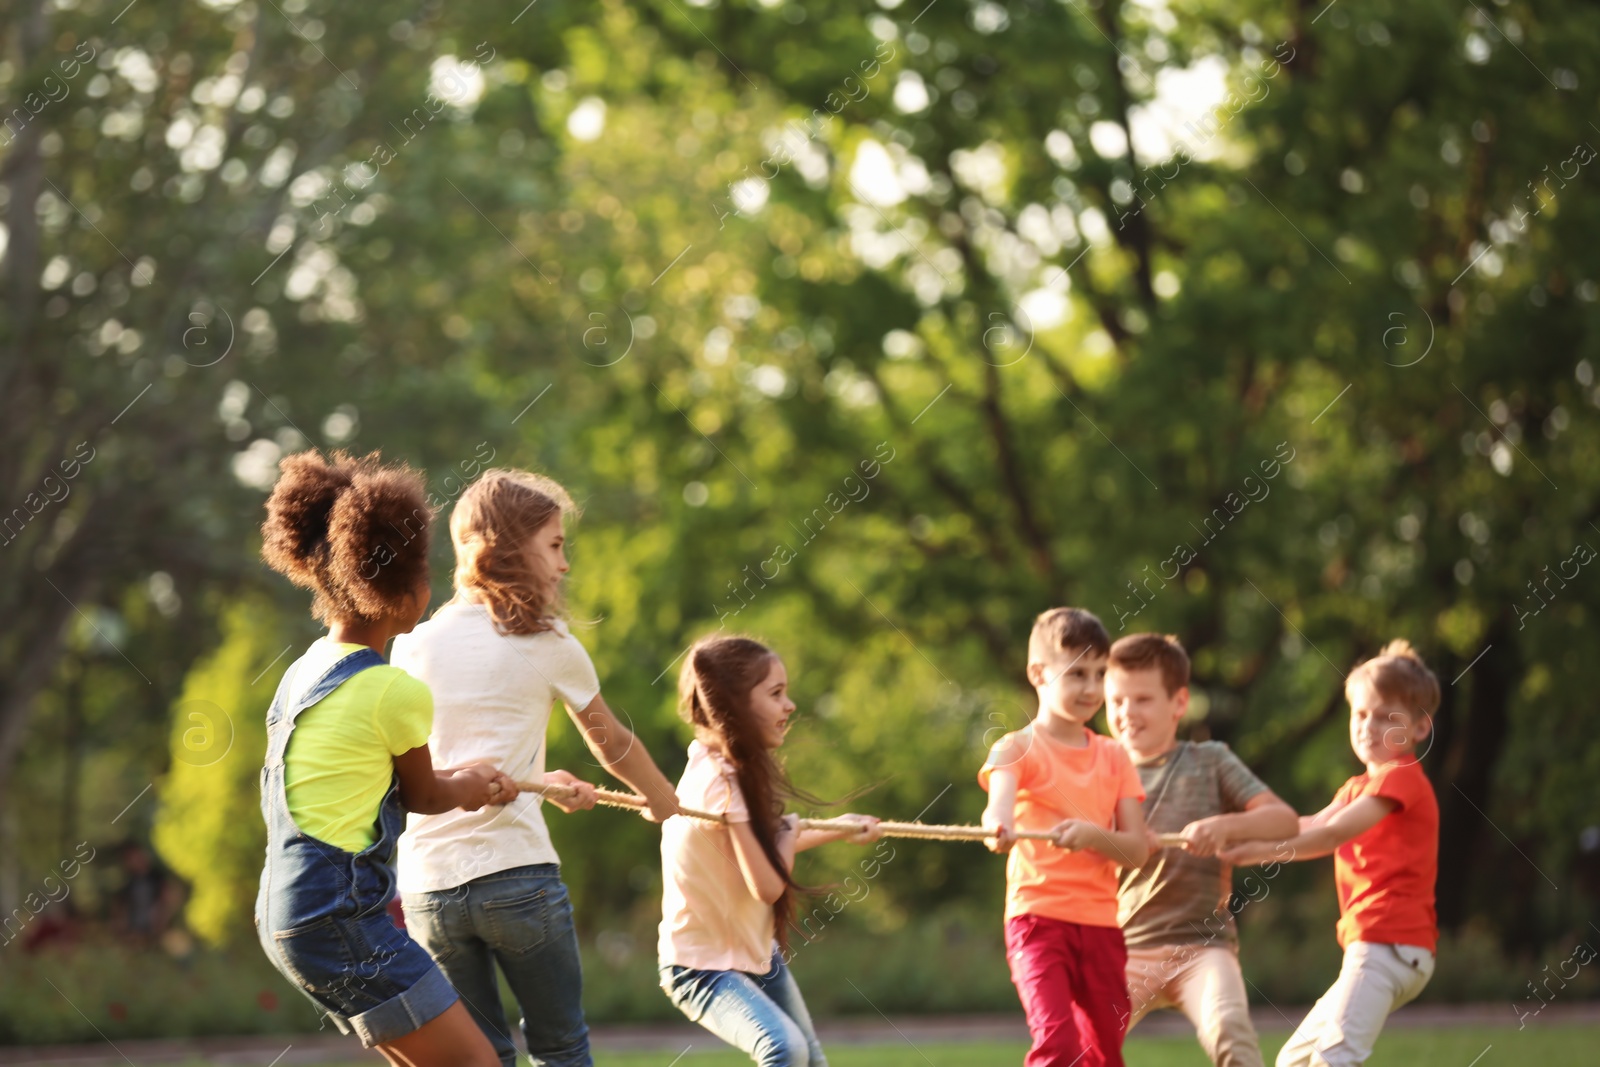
(340, 758)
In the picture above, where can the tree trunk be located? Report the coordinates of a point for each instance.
(1466, 784)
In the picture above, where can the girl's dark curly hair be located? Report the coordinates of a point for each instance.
(352, 530)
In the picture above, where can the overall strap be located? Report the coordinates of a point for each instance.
(280, 720)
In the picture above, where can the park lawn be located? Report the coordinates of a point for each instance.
(1456, 1047)
(1482, 1046)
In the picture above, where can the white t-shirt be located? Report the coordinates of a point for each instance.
(492, 695)
(710, 921)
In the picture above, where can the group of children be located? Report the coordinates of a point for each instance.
(422, 757)
(1111, 925)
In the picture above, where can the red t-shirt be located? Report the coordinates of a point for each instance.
(1056, 781)
(1386, 876)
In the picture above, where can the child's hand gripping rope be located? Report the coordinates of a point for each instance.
(481, 783)
(854, 826)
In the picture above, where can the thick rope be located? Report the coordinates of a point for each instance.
(922, 831)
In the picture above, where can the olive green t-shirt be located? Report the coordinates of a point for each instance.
(340, 758)
(1177, 897)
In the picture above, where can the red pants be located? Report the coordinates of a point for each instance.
(1073, 983)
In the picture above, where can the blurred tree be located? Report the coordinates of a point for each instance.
(872, 333)
(209, 829)
(175, 214)
(1310, 293)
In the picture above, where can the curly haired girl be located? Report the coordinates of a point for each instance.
(347, 755)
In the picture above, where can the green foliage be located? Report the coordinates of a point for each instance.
(209, 830)
(1343, 280)
(115, 991)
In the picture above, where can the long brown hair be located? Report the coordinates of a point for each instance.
(490, 528)
(714, 690)
(354, 531)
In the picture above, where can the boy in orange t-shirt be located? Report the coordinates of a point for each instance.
(1062, 939)
(1383, 830)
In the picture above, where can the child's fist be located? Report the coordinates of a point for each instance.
(582, 802)
(868, 829)
(478, 784)
(1001, 837)
(1074, 834)
(1204, 837)
(502, 788)
(658, 811)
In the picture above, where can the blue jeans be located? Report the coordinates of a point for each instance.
(763, 1015)
(521, 919)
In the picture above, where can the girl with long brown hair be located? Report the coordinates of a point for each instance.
(347, 755)
(729, 887)
(484, 889)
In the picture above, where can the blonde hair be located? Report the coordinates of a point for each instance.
(1398, 673)
(490, 528)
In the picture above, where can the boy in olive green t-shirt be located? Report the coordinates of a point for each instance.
(1182, 945)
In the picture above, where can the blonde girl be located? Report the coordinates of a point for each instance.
(483, 890)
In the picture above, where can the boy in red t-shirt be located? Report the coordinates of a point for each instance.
(1062, 940)
(1383, 831)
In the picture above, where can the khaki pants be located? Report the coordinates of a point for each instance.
(1203, 982)
(1374, 980)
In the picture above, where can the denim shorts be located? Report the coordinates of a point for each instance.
(367, 976)
(322, 913)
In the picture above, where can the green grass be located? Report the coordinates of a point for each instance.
(1552, 1046)
(1400, 1048)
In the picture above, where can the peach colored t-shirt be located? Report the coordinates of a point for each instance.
(1057, 781)
(710, 921)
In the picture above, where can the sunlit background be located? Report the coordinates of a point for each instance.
(1270, 325)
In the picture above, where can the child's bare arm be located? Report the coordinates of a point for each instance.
(620, 752)
(1126, 843)
(1264, 818)
(1311, 822)
(428, 791)
(999, 815)
(1348, 822)
(867, 833)
(761, 878)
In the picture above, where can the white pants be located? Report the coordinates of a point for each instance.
(1344, 1025)
(1203, 982)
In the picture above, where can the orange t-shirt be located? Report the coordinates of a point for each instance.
(1057, 781)
(1386, 876)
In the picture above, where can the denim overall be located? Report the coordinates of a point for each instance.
(322, 912)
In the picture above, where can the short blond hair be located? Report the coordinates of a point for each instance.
(1398, 674)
